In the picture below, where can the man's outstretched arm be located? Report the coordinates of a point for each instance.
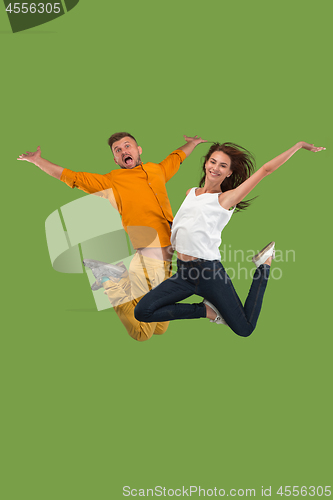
(172, 162)
(191, 142)
(45, 165)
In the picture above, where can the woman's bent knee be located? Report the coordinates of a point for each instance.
(244, 332)
(141, 314)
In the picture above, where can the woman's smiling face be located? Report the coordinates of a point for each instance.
(218, 167)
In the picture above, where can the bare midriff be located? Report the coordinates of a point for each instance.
(184, 257)
(164, 253)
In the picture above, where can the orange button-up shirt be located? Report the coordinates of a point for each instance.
(140, 194)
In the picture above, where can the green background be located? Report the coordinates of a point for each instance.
(86, 410)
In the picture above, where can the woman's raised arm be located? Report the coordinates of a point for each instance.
(234, 196)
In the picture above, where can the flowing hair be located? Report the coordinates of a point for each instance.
(242, 166)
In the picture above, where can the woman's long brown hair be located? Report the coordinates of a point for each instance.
(242, 166)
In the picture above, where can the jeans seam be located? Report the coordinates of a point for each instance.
(256, 298)
(239, 306)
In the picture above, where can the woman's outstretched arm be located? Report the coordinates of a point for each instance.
(234, 196)
(282, 158)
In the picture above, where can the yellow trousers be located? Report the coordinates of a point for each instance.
(144, 274)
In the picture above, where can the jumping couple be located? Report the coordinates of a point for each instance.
(147, 296)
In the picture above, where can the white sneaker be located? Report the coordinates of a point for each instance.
(218, 320)
(103, 269)
(264, 254)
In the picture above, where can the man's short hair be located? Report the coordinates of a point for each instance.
(117, 136)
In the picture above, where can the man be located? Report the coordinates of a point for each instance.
(138, 192)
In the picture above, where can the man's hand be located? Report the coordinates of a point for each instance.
(197, 140)
(191, 143)
(31, 157)
(45, 165)
(310, 147)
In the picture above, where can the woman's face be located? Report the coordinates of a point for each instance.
(218, 167)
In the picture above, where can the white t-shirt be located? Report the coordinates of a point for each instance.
(197, 226)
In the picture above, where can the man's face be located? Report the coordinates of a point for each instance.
(126, 153)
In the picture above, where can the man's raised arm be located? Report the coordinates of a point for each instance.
(172, 162)
(191, 142)
(45, 165)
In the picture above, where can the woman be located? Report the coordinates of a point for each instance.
(196, 236)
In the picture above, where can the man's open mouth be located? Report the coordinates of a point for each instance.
(128, 159)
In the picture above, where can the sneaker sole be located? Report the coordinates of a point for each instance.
(263, 251)
(219, 321)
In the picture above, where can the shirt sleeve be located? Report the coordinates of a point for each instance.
(97, 184)
(172, 163)
(89, 183)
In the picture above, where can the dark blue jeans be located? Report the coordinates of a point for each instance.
(207, 279)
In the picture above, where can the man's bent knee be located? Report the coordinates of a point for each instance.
(140, 337)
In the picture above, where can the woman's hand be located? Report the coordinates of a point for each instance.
(234, 196)
(197, 140)
(31, 157)
(310, 147)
